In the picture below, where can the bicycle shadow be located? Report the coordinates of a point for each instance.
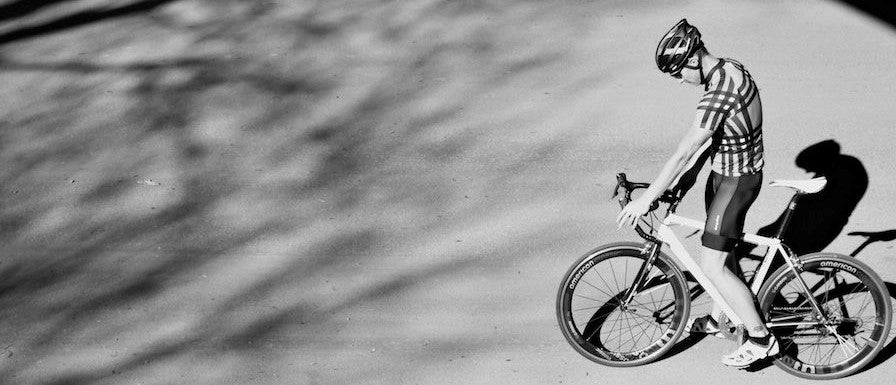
(889, 350)
(683, 344)
(690, 340)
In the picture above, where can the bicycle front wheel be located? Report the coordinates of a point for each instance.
(853, 300)
(602, 326)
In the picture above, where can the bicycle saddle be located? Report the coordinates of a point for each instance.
(808, 186)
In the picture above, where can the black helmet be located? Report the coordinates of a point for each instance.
(677, 46)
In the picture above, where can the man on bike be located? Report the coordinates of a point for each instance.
(727, 128)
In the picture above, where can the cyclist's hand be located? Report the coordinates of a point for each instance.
(631, 212)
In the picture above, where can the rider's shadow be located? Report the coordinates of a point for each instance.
(819, 218)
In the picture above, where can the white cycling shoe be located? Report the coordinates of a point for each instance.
(750, 352)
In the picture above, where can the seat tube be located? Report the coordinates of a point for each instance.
(788, 215)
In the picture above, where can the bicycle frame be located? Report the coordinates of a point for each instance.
(775, 247)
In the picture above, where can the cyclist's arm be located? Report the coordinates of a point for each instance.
(686, 180)
(689, 146)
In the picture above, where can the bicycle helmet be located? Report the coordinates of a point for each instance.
(677, 46)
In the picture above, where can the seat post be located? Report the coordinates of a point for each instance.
(788, 214)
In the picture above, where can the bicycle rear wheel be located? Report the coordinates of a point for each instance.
(852, 297)
(597, 323)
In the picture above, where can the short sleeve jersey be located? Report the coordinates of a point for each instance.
(732, 110)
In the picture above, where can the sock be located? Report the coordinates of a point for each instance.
(764, 341)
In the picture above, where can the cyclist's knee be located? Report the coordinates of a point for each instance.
(712, 262)
(718, 242)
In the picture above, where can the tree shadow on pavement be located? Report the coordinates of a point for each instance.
(190, 193)
(73, 20)
(22, 8)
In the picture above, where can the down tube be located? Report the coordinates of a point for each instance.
(682, 255)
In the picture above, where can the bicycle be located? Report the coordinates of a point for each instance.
(626, 304)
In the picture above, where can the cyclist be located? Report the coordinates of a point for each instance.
(728, 129)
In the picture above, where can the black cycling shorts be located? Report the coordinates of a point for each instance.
(727, 200)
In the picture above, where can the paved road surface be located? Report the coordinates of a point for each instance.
(365, 192)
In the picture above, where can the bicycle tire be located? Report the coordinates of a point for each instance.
(598, 328)
(850, 293)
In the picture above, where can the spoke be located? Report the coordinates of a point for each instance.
(830, 355)
(644, 317)
(639, 336)
(787, 344)
(868, 301)
(628, 326)
(613, 274)
(625, 273)
(844, 344)
(663, 298)
(636, 338)
(798, 292)
(597, 288)
(598, 329)
(812, 350)
(631, 333)
(644, 305)
(593, 299)
(593, 272)
(610, 327)
(585, 308)
(829, 275)
(617, 332)
(653, 301)
(617, 329)
(653, 288)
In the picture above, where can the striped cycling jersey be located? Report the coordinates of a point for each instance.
(732, 110)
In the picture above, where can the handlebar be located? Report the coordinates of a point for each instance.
(670, 197)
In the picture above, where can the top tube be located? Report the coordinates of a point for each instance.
(675, 219)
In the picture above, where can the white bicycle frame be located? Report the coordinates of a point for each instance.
(775, 246)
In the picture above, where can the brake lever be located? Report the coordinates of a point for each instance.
(620, 180)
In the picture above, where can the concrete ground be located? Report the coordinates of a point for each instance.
(377, 192)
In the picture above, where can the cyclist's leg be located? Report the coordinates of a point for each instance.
(736, 293)
(734, 266)
(728, 199)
